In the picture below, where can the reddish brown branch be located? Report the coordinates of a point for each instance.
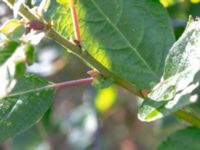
(85, 81)
(75, 22)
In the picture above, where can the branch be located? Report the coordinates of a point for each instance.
(188, 117)
(25, 12)
(67, 84)
(75, 21)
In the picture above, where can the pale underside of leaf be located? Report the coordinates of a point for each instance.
(182, 71)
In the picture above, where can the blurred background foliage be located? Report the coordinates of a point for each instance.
(86, 118)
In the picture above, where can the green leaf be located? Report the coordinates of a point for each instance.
(101, 82)
(7, 48)
(185, 139)
(131, 38)
(29, 50)
(180, 80)
(12, 29)
(25, 106)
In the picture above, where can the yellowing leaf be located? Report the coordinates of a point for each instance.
(195, 1)
(64, 2)
(105, 98)
(12, 29)
(167, 3)
(9, 26)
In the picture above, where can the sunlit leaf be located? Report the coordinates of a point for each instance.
(12, 29)
(131, 38)
(105, 98)
(167, 3)
(181, 77)
(195, 1)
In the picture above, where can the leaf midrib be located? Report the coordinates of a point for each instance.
(126, 40)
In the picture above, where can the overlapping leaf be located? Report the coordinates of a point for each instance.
(25, 106)
(181, 77)
(11, 57)
(131, 37)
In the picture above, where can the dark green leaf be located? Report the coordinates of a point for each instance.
(181, 77)
(24, 107)
(131, 38)
(185, 139)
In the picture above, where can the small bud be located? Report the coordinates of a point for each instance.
(36, 25)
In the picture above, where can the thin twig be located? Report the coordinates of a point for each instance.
(67, 84)
(85, 81)
(75, 21)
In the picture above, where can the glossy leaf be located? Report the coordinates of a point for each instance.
(131, 38)
(181, 77)
(184, 139)
(24, 107)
